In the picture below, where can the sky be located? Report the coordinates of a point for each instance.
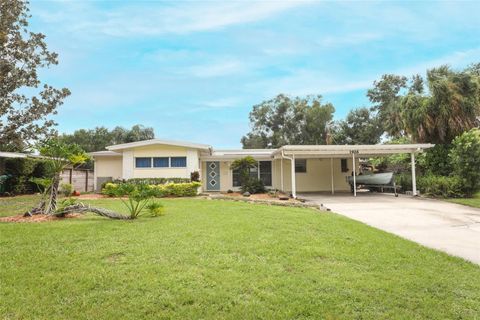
(192, 70)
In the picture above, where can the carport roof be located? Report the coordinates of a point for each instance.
(347, 150)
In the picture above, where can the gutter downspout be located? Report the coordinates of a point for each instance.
(292, 161)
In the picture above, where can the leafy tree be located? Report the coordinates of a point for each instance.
(58, 155)
(449, 107)
(100, 137)
(359, 127)
(385, 95)
(286, 120)
(25, 102)
(465, 158)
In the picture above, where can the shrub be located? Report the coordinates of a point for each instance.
(161, 190)
(440, 186)
(155, 180)
(404, 180)
(138, 197)
(195, 176)
(436, 160)
(253, 186)
(156, 208)
(66, 189)
(465, 160)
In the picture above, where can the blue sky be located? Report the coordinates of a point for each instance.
(193, 70)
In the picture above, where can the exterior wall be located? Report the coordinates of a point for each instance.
(106, 168)
(317, 177)
(162, 151)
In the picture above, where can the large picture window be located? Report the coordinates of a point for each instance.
(262, 171)
(143, 162)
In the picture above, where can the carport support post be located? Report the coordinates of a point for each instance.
(294, 188)
(354, 175)
(414, 178)
(331, 174)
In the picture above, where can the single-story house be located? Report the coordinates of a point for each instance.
(314, 168)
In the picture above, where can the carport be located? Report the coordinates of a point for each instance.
(355, 152)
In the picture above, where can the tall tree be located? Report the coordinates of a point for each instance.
(24, 116)
(97, 139)
(385, 96)
(359, 127)
(286, 120)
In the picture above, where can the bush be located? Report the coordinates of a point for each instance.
(195, 176)
(161, 190)
(154, 180)
(404, 180)
(253, 186)
(440, 186)
(156, 209)
(436, 160)
(465, 160)
(66, 189)
(22, 170)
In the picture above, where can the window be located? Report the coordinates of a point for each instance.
(178, 162)
(300, 165)
(162, 162)
(344, 165)
(266, 172)
(143, 162)
(262, 171)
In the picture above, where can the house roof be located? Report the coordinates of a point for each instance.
(347, 150)
(238, 153)
(105, 153)
(12, 155)
(143, 143)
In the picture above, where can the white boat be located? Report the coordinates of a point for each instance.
(372, 179)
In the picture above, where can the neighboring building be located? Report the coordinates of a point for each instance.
(314, 167)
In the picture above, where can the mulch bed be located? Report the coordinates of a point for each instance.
(38, 218)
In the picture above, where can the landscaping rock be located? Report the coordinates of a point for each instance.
(246, 194)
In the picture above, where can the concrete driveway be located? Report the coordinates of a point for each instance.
(449, 227)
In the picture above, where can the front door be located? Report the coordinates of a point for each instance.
(213, 175)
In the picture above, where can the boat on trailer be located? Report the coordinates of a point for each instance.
(374, 181)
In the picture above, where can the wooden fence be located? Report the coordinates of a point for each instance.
(80, 179)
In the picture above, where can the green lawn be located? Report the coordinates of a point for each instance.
(208, 259)
(472, 202)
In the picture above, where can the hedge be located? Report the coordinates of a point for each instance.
(440, 186)
(154, 181)
(188, 189)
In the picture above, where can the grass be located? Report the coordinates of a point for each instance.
(226, 260)
(471, 202)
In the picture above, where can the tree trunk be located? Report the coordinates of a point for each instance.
(51, 205)
(81, 208)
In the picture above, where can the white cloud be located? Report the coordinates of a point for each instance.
(215, 69)
(180, 18)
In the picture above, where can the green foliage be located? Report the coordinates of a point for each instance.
(100, 137)
(61, 154)
(404, 180)
(189, 189)
(42, 183)
(138, 197)
(66, 189)
(22, 171)
(450, 106)
(25, 101)
(359, 127)
(465, 159)
(62, 204)
(253, 185)
(155, 208)
(285, 120)
(437, 161)
(440, 186)
(154, 180)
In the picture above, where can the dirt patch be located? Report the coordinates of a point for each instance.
(38, 218)
(260, 196)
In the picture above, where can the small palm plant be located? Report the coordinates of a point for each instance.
(138, 198)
